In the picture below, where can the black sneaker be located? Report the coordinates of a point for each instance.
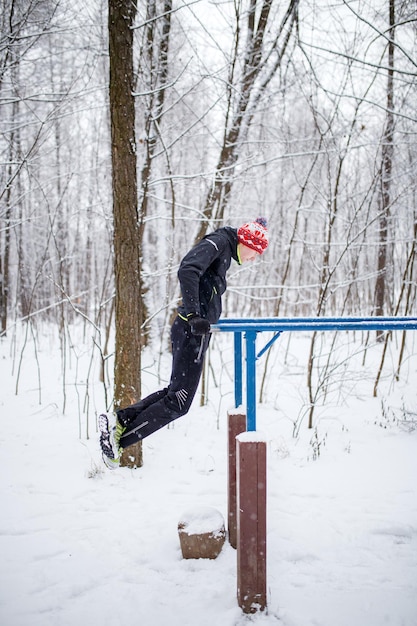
(109, 441)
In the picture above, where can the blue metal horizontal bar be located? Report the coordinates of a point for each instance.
(228, 320)
(316, 324)
(278, 325)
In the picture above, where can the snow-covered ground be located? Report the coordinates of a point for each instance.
(82, 545)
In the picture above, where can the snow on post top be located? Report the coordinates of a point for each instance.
(201, 519)
(236, 410)
(251, 436)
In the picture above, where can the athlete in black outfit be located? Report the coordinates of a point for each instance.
(202, 278)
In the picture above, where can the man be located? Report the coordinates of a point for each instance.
(202, 277)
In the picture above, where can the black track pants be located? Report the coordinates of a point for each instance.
(157, 410)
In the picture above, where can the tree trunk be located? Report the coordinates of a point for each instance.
(5, 252)
(253, 83)
(386, 171)
(125, 212)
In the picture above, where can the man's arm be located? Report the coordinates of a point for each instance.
(193, 266)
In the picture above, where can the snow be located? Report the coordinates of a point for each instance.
(236, 410)
(201, 520)
(253, 436)
(82, 545)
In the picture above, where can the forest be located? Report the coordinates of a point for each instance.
(302, 111)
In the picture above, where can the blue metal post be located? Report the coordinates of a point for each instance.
(251, 379)
(238, 369)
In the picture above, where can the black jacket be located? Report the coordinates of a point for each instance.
(202, 274)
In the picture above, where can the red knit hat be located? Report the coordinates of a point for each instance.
(254, 235)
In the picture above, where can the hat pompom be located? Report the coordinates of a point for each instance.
(262, 221)
(254, 235)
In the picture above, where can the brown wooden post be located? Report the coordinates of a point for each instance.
(236, 426)
(251, 522)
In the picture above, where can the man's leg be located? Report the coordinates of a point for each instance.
(187, 362)
(127, 415)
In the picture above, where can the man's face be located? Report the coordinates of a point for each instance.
(247, 254)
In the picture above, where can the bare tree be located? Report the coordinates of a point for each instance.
(125, 210)
(262, 58)
(386, 173)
